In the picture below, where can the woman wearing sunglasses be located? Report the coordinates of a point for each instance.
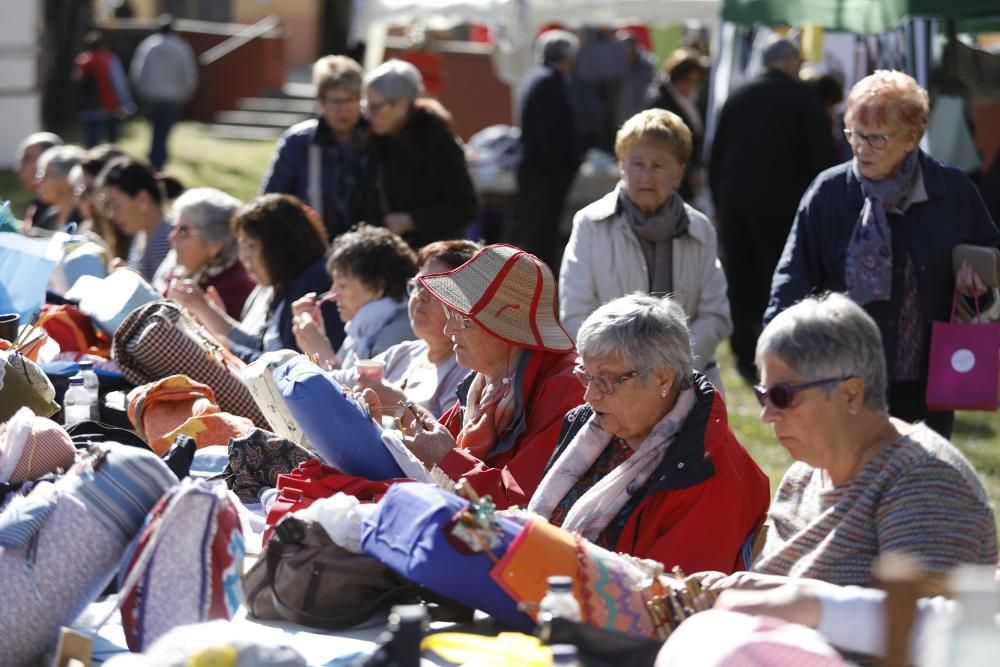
(649, 466)
(863, 483)
(881, 228)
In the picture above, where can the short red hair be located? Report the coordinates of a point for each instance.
(892, 98)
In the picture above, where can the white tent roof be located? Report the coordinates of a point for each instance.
(534, 13)
(516, 22)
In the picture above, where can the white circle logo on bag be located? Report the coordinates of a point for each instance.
(963, 360)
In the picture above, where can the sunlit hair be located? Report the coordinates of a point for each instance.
(337, 72)
(889, 98)
(829, 336)
(655, 125)
(644, 331)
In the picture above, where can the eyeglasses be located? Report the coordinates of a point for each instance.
(183, 231)
(604, 384)
(415, 288)
(373, 107)
(459, 320)
(339, 102)
(782, 394)
(875, 141)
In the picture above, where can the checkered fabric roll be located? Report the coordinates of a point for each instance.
(159, 339)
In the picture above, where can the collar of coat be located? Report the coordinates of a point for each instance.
(606, 209)
(931, 185)
(686, 462)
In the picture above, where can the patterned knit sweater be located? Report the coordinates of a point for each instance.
(919, 495)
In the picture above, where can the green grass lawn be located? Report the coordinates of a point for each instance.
(237, 167)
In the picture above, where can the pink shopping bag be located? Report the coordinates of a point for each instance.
(964, 366)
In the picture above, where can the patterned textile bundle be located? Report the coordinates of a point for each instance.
(23, 384)
(159, 339)
(33, 446)
(73, 330)
(340, 427)
(177, 405)
(413, 531)
(259, 377)
(60, 545)
(613, 589)
(257, 459)
(185, 567)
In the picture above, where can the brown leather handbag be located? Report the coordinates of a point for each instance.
(304, 577)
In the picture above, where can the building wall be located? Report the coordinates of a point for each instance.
(20, 110)
(299, 18)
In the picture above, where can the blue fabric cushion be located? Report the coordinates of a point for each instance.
(406, 533)
(340, 428)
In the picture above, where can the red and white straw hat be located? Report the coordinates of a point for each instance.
(508, 292)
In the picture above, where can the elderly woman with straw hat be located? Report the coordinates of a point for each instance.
(649, 465)
(501, 316)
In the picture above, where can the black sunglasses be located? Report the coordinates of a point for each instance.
(782, 394)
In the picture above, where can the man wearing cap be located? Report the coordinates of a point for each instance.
(502, 318)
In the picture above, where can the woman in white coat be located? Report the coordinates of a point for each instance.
(642, 237)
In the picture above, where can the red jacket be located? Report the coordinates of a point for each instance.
(95, 66)
(705, 499)
(513, 471)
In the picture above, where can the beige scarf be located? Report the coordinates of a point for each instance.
(596, 508)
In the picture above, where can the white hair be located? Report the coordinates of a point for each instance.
(829, 336)
(646, 332)
(396, 79)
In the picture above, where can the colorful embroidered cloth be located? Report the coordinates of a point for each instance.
(612, 588)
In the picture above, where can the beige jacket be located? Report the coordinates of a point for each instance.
(603, 260)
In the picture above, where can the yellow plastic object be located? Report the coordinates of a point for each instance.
(508, 649)
(812, 43)
(214, 656)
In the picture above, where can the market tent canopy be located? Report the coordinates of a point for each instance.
(858, 16)
(508, 15)
(516, 22)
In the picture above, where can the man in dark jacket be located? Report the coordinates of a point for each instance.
(322, 160)
(773, 138)
(550, 147)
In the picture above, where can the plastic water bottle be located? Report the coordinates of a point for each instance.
(970, 636)
(565, 655)
(76, 403)
(92, 384)
(559, 601)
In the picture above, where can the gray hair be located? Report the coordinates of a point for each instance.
(61, 159)
(396, 80)
(555, 46)
(211, 211)
(778, 50)
(644, 331)
(829, 336)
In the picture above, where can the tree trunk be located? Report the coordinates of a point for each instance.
(63, 25)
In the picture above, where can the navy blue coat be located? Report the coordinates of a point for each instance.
(548, 131)
(289, 171)
(814, 254)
